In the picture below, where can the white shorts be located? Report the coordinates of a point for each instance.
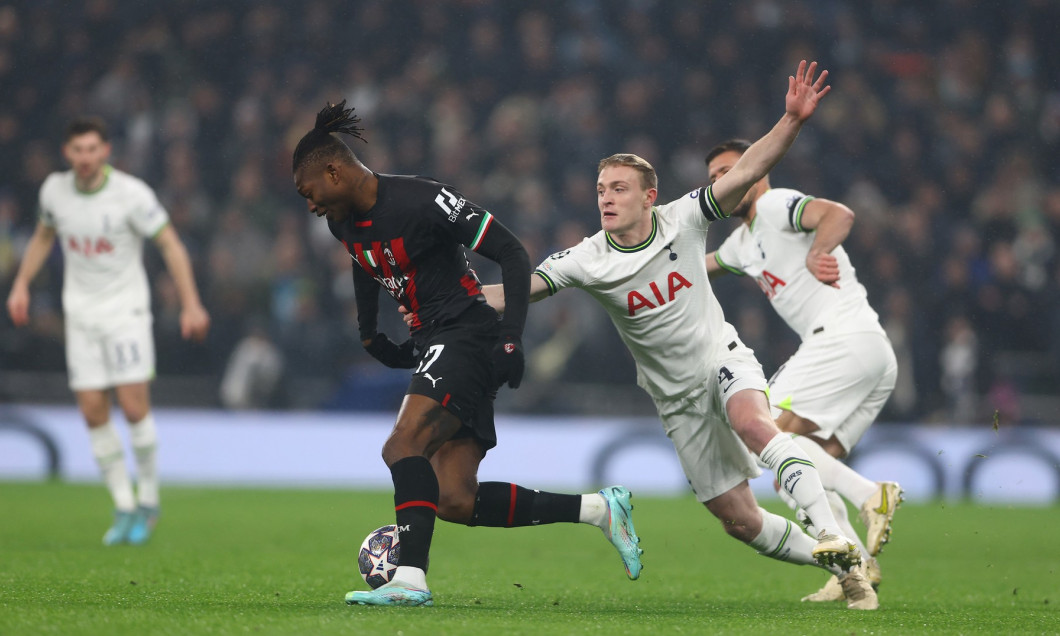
(713, 456)
(101, 355)
(838, 382)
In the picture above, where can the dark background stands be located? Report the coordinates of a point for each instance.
(942, 133)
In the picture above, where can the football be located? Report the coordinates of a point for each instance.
(378, 558)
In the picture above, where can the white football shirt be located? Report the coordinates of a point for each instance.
(101, 234)
(773, 250)
(656, 293)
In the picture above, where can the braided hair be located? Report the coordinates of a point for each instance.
(320, 144)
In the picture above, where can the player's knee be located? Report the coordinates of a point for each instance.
(135, 413)
(394, 452)
(834, 447)
(399, 446)
(740, 530)
(741, 524)
(95, 415)
(456, 506)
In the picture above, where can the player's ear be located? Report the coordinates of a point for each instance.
(651, 195)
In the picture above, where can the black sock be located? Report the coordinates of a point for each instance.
(416, 507)
(501, 505)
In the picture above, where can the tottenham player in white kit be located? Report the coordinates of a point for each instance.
(646, 268)
(101, 216)
(835, 385)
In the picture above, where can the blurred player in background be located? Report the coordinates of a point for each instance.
(834, 386)
(407, 235)
(647, 270)
(101, 216)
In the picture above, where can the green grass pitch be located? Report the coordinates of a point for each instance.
(248, 561)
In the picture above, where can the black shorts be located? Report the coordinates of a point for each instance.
(456, 369)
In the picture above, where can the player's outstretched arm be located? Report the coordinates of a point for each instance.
(194, 321)
(495, 293)
(804, 93)
(831, 222)
(37, 250)
(495, 297)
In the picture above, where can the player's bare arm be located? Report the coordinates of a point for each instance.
(832, 222)
(495, 297)
(37, 250)
(804, 93)
(495, 293)
(194, 321)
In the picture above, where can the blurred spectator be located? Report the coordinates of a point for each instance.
(943, 132)
(959, 361)
(251, 379)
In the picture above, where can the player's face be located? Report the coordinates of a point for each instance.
(87, 154)
(320, 188)
(623, 200)
(721, 165)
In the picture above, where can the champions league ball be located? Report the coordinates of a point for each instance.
(378, 559)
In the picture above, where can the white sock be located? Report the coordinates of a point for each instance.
(415, 577)
(842, 517)
(839, 511)
(797, 475)
(110, 457)
(835, 475)
(783, 540)
(144, 438)
(594, 511)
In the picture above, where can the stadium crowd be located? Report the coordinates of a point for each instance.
(942, 134)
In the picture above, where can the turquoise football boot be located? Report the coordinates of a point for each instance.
(119, 532)
(620, 528)
(143, 525)
(392, 593)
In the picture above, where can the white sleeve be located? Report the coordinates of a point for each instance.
(728, 257)
(148, 217)
(47, 209)
(564, 269)
(782, 208)
(696, 209)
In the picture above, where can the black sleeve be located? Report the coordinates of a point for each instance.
(500, 245)
(366, 292)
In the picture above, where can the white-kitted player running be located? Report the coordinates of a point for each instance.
(646, 268)
(834, 386)
(101, 216)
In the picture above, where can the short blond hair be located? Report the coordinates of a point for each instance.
(648, 178)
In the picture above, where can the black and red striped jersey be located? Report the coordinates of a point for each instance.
(411, 242)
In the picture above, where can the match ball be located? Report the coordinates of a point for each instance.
(378, 559)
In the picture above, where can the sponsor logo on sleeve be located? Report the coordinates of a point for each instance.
(451, 205)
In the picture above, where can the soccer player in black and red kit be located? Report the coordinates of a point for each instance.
(407, 235)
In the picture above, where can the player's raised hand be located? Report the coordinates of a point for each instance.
(804, 92)
(824, 267)
(18, 305)
(194, 323)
